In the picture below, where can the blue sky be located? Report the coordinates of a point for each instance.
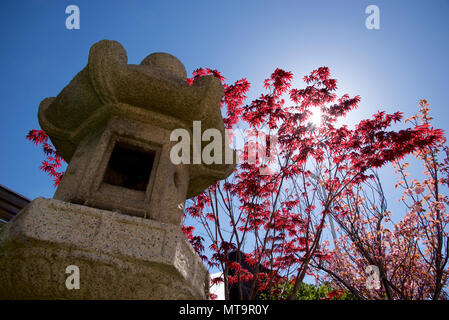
(391, 68)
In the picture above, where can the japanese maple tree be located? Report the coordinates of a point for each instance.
(278, 219)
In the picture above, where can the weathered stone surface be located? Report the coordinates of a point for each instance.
(154, 92)
(119, 256)
(164, 196)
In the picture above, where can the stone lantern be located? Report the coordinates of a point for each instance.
(117, 214)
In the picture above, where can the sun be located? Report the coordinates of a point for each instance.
(315, 119)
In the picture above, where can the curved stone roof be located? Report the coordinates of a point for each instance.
(154, 88)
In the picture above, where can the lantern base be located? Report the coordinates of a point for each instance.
(118, 256)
